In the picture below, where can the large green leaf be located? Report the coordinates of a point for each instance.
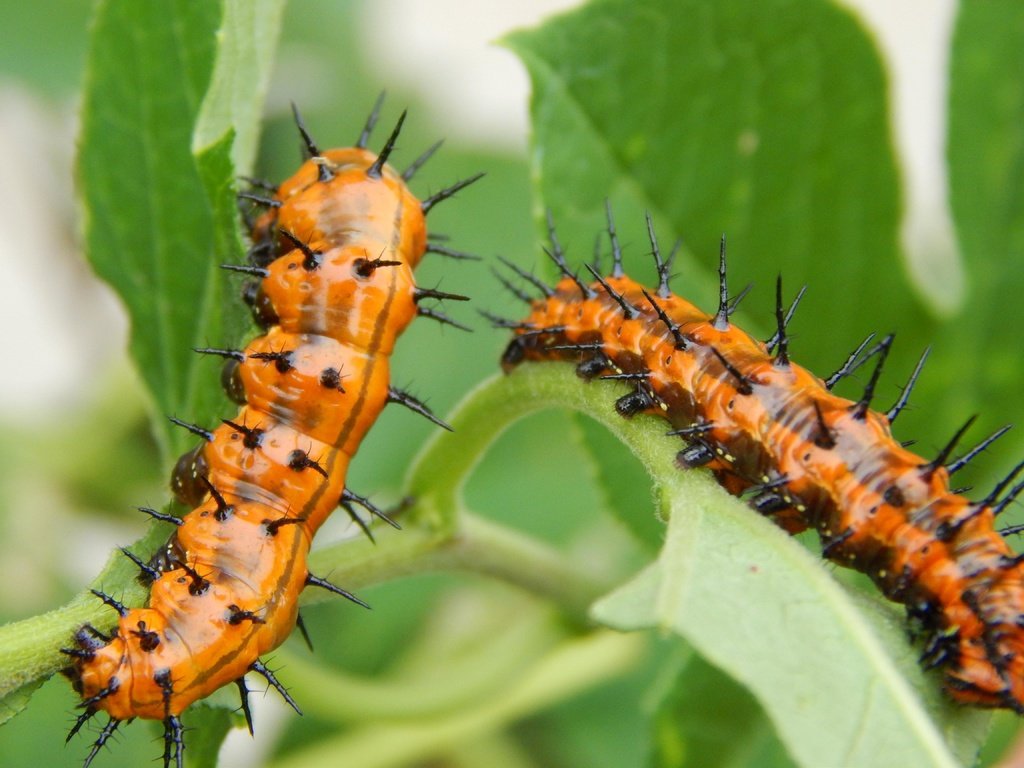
(765, 121)
(149, 209)
(148, 227)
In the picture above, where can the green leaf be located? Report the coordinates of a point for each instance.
(624, 483)
(158, 222)
(749, 598)
(240, 78)
(207, 726)
(832, 670)
(706, 720)
(766, 121)
(147, 220)
(216, 174)
(985, 153)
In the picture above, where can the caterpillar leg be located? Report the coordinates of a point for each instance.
(243, 693)
(261, 668)
(105, 734)
(174, 742)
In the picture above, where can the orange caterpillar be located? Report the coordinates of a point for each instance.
(810, 459)
(334, 254)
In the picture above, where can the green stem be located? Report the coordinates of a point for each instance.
(441, 534)
(444, 536)
(456, 677)
(29, 649)
(476, 546)
(570, 668)
(439, 473)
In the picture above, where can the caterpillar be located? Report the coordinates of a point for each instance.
(332, 255)
(807, 458)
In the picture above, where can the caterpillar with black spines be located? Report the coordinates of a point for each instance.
(805, 457)
(332, 261)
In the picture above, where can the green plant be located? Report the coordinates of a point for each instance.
(769, 122)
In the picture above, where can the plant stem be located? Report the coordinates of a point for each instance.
(442, 534)
(477, 546)
(440, 471)
(574, 666)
